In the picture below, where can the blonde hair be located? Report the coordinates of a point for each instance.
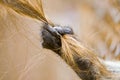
(70, 46)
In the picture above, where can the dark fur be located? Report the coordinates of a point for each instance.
(87, 72)
(51, 40)
(51, 37)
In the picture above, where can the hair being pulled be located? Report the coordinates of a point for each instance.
(84, 62)
(62, 41)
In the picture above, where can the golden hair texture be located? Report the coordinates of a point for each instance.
(82, 60)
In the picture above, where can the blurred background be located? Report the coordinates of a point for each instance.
(96, 23)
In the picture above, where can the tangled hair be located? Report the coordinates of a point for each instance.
(82, 60)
